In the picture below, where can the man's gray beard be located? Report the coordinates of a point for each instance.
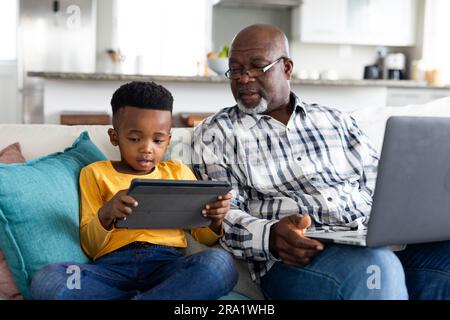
(260, 108)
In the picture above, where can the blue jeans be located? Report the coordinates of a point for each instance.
(345, 272)
(339, 272)
(142, 273)
(427, 270)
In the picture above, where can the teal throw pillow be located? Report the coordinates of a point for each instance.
(39, 210)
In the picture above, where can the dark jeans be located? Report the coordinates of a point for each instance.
(420, 271)
(340, 272)
(142, 273)
(427, 270)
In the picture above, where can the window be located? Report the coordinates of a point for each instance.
(436, 47)
(8, 27)
(162, 37)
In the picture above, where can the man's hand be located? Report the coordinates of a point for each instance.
(119, 207)
(216, 212)
(288, 243)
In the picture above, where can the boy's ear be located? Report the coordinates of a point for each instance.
(168, 142)
(113, 137)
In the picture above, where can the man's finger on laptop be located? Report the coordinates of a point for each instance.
(303, 253)
(297, 258)
(306, 243)
(296, 262)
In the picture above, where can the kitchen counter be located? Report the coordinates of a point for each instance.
(91, 92)
(220, 79)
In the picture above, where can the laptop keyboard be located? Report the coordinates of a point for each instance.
(356, 236)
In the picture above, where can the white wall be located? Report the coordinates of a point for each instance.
(9, 112)
(227, 21)
(348, 61)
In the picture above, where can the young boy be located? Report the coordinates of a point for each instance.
(144, 263)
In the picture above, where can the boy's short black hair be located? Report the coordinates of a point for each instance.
(141, 94)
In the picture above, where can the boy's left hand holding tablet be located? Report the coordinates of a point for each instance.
(216, 212)
(119, 207)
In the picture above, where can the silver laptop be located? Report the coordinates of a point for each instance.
(411, 203)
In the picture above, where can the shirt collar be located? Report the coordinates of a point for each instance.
(299, 105)
(248, 121)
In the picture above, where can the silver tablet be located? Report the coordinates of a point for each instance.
(171, 204)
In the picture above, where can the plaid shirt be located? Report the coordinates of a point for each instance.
(320, 164)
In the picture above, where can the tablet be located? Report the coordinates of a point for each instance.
(171, 204)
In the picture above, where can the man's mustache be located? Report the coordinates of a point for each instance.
(248, 90)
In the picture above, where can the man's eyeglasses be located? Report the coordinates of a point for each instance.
(235, 74)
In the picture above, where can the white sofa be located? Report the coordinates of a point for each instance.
(39, 140)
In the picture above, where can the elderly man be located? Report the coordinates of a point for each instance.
(293, 166)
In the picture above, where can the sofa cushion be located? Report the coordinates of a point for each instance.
(37, 140)
(12, 154)
(372, 120)
(39, 210)
(8, 288)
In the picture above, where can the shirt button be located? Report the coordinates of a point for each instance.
(313, 179)
(330, 199)
(299, 158)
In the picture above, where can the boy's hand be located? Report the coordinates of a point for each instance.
(119, 207)
(216, 212)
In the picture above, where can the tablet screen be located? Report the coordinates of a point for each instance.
(171, 204)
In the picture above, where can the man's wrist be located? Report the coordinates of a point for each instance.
(272, 236)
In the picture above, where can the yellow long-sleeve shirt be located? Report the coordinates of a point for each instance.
(99, 182)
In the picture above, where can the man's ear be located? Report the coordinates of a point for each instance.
(288, 68)
(113, 137)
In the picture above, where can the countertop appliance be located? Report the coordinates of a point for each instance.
(395, 66)
(372, 72)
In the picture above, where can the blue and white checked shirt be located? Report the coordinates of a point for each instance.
(320, 164)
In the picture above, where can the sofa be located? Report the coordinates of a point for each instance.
(40, 140)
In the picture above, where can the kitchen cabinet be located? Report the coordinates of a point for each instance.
(357, 22)
(259, 3)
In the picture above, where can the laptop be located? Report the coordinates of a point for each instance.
(411, 202)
